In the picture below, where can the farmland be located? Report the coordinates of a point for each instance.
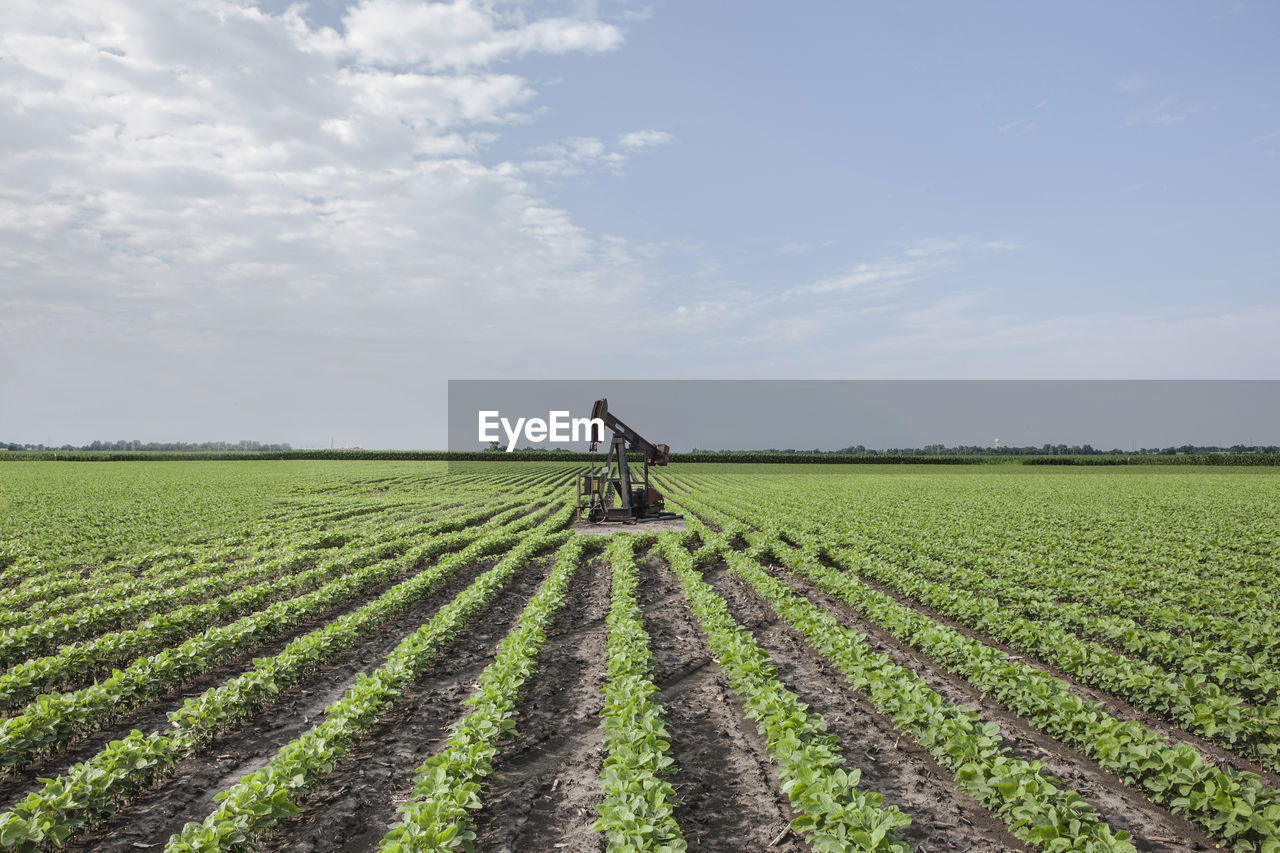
(343, 656)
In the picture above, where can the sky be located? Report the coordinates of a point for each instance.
(225, 220)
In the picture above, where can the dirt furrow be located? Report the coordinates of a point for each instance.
(546, 794)
(1115, 706)
(187, 795)
(730, 797)
(1153, 827)
(353, 807)
(943, 818)
(154, 715)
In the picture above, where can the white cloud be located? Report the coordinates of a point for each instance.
(914, 262)
(1022, 127)
(211, 168)
(456, 35)
(1164, 113)
(1133, 84)
(576, 155)
(640, 139)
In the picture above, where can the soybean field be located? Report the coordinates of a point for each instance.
(397, 656)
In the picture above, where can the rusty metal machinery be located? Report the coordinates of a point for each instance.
(638, 500)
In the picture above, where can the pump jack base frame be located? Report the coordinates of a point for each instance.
(617, 517)
(671, 524)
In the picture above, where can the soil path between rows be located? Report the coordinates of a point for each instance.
(943, 818)
(187, 795)
(354, 806)
(545, 794)
(730, 800)
(1122, 807)
(153, 716)
(1117, 707)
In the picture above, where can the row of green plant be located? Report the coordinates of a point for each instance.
(124, 768)
(43, 580)
(1231, 805)
(1220, 551)
(1114, 589)
(637, 812)
(75, 519)
(51, 594)
(1191, 701)
(834, 814)
(217, 598)
(79, 664)
(1029, 802)
(260, 800)
(1215, 562)
(53, 721)
(290, 540)
(1252, 676)
(448, 785)
(1205, 600)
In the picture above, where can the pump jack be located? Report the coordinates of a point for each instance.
(640, 502)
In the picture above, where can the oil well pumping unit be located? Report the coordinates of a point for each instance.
(639, 500)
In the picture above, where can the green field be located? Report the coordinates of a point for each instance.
(349, 655)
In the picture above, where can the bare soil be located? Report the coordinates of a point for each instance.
(355, 804)
(153, 715)
(1153, 827)
(545, 794)
(415, 721)
(943, 819)
(664, 525)
(1119, 708)
(730, 799)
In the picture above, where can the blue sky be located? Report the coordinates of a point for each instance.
(222, 220)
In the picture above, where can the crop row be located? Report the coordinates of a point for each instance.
(637, 810)
(834, 814)
(1190, 702)
(58, 585)
(1126, 576)
(447, 785)
(133, 592)
(270, 558)
(53, 720)
(79, 663)
(97, 787)
(1094, 602)
(1232, 805)
(258, 801)
(25, 641)
(1251, 675)
(1017, 791)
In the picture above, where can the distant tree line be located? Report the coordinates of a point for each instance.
(159, 446)
(1029, 450)
(937, 454)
